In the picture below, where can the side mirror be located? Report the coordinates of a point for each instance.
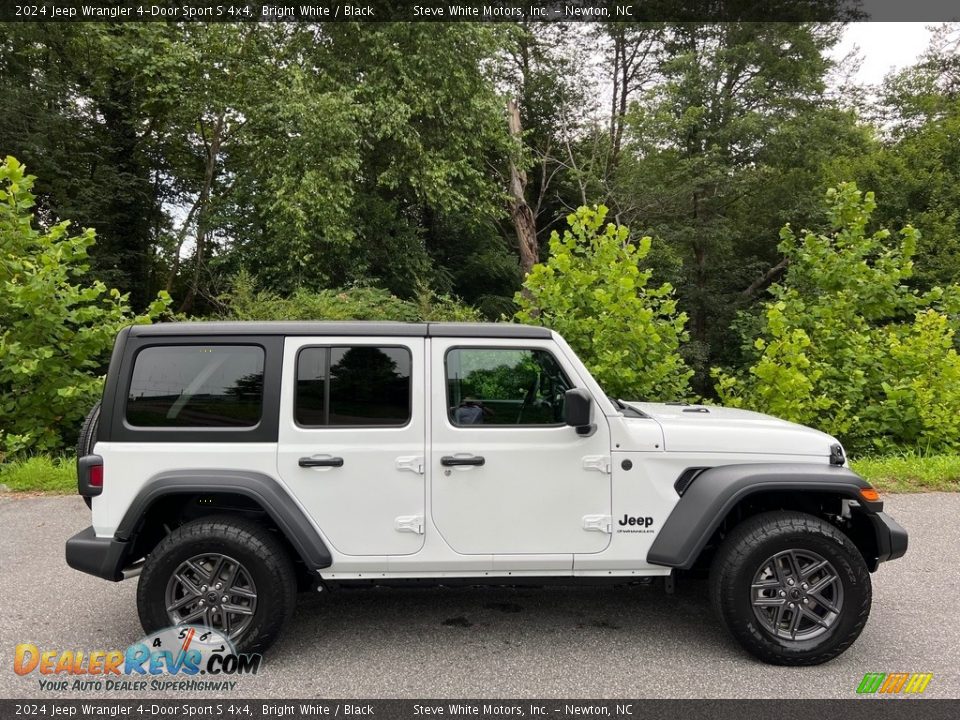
(577, 405)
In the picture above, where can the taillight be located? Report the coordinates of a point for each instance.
(90, 475)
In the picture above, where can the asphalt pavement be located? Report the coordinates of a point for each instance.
(587, 642)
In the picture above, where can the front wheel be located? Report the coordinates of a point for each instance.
(225, 573)
(791, 588)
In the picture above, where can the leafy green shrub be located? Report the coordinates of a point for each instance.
(244, 302)
(593, 291)
(56, 331)
(847, 347)
(444, 308)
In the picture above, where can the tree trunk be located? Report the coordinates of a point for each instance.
(213, 153)
(701, 304)
(523, 220)
(766, 280)
(181, 238)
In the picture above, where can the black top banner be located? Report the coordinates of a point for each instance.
(626, 11)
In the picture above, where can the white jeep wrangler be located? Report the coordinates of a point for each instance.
(235, 463)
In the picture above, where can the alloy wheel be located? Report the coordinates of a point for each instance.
(214, 590)
(796, 595)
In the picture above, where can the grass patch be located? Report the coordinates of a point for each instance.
(910, 472)
(904, 473)
(40, 473)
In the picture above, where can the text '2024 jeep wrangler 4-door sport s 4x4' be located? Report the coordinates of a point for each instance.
(233, 463)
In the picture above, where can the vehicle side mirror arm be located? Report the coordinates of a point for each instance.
(586, 430)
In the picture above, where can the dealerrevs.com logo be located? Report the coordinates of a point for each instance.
(178, 658)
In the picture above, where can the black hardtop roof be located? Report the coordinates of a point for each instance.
(357, 328)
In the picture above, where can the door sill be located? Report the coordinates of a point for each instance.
(496, 577)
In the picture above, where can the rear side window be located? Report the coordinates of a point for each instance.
(353, 386)
(196, 386)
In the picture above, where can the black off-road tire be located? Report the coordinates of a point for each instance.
(744, 553)
(88, 432)
(255, 547)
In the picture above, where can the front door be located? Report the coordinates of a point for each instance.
(509, 476)
(352, 439)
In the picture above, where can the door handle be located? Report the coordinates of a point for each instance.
(452, 460)
(309, 462)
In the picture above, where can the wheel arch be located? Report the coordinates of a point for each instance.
(720, 497)
(185, 495)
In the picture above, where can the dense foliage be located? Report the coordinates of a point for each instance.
(594, 291)
(312, 155)
(847, 346)
(244, 302)
(411, 170)
(56, 327)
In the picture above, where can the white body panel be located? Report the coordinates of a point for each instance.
(717, 430)
(527, 511)
(381, 481)
(532, 493)
(128, 466)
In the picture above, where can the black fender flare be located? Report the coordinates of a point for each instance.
(715, 492)
(261, 488)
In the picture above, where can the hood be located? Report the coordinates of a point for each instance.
(709, 428)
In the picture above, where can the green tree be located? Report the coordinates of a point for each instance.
(75, 112)
(914, 162)
(723, 149)
(593, 291)
(56, 329)
(399, 136)
(846, 346)
(316, 157)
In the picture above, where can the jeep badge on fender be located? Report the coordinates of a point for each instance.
(642, 521)
(231, 464)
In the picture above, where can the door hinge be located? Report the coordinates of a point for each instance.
(413, 463)
(598, 523)
(600, 463)
(409, 523)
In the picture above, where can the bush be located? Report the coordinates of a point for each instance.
(593, 291)
(56, 330)
(848, 347)
(244, 302)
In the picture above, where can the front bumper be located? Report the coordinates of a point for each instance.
(891, 537)
(103, 557)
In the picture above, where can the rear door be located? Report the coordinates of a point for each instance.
(352, 439)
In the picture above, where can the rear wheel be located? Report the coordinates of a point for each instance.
(791, 588)
(225, 573)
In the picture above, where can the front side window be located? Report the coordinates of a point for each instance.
(353, 386)
(196, 386)
(501, 386)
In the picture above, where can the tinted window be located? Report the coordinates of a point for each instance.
(359, 385)
(196, 386)
(498, 386)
